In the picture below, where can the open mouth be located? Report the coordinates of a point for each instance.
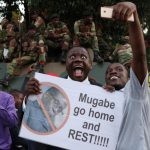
(78, 71)
(114, 78)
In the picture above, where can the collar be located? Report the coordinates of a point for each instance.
(86, 81)
(122, 90)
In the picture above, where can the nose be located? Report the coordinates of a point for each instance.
(77, 59)
(113, 71)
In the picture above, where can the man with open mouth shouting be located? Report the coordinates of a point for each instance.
(78, 66)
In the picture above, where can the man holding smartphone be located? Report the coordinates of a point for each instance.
(135, 128)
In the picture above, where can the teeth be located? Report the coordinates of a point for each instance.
(113, 77)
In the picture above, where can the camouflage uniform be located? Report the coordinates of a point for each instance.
(28, 55)
(40, 27)
(85, 35)
(9, 46)
(57, 38)
(12, 46)
(123, 53)
(105, 47)
(3, 38)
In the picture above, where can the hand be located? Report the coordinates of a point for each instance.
(33, 87)
(123, 10)
(19, 61)
(109, 88)
(31, 68)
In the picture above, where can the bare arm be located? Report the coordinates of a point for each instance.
(139, 64)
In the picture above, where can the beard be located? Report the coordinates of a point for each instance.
(118, 87)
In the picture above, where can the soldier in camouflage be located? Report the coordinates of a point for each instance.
(122, 54)
(3, 38)
(29, 55)
(85, 34)
(8, 42)
(57, 36)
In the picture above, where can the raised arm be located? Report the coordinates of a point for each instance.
(121, 12)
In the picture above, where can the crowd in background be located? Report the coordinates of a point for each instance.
(49, 40)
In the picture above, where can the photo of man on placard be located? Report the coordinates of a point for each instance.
(46, 112)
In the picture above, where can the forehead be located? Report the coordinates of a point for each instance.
(78, 51)
(116, 66)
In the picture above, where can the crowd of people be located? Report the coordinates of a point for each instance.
(48, 40)
(38, 42)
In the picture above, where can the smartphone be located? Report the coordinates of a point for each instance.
(106, 12)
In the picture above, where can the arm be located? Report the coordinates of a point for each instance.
(8, 116)
(65, 30)
(31, 87)
(139, 65)
(93, 30)
(76, 28)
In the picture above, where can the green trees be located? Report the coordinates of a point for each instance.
(71, 10)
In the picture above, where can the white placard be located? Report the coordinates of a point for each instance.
(83, 116)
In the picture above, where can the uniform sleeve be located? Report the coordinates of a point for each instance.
(8, 115)
(50, 28)
(76, 28)
(93, 30)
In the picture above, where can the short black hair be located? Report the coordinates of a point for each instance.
(87, 13)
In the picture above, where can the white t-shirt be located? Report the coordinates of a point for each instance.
(135, 128)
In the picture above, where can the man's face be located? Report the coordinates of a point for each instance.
(10, 27)
(116, 75)
(55, 20)
(88, 19)
(18, 100)
(39, 21)
(78, 64)
(54, 103)
(25, 46)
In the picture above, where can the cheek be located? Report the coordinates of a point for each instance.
(106, 78)
(90, 67)
(126, 80)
